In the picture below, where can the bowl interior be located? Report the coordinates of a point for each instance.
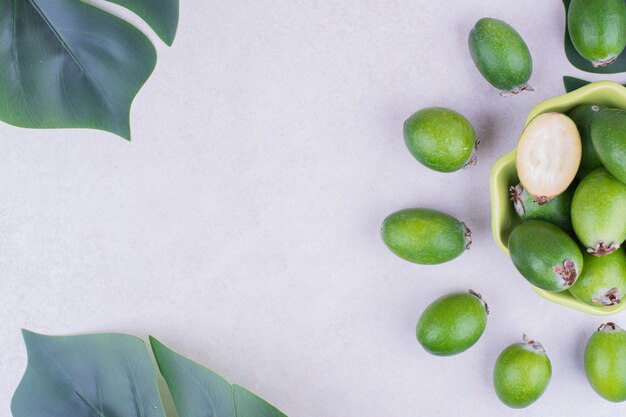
(504, 175)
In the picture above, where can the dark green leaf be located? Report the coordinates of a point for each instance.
(69, 64)
(251, 405)
(106, 375)
(196, 391)
(199, 392)
(572, 83)
(581, 63)
(161, 15)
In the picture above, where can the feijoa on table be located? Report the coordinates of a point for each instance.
(452, 323)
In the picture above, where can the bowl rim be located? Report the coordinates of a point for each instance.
(575, 97)
(570, 99)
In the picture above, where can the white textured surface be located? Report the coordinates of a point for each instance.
(241, 224)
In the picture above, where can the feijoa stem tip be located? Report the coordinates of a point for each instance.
(468, 236)
(601, 63)
(472, 159)
(517, 90)
(607, 327)
(541, 200)
(609, 298)
(567, 271)
(602, 249)
(516, 191)
(480, 297)
(471, 162)
(533, 343)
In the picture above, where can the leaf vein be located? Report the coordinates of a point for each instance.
(57, 34)
(68, 50)
(88, 404)
(202, 389)
(16, 62)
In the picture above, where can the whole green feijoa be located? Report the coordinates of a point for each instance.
(597, 29)
(522, 373)
(583, 115)
(555, 211)
(501, 55)
(605, 362)
(599, 212)
(545, 255)
(441, 139)
(425, 236)
(608, 133)
(452, 324)
(603, 281)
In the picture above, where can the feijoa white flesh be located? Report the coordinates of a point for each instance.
(548, 155)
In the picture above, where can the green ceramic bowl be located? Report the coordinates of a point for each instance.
(503, 175)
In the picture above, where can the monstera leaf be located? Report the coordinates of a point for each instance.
(199, 392)
(112, 375)
(573, 83)
(581, 63)
(161, 15)
(69, 64)
(87, 376)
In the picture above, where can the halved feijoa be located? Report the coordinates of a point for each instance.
(548, 155)
(603, 281)
(608, 133)
(605, 362)
(425, 236)
(522, 373)
(501, 55)
(555, 211)
(452, 323)
(599, 212)
(441, 139)
(583, 115)
(598, 29)
(545, 255)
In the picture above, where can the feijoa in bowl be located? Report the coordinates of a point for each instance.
(504, 175)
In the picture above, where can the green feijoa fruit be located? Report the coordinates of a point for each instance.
(545, 255)
(425, 236)
(599, 212)
(608, 133)
(597, 29)
(603, 281)
(555, 211)
(522, 373)
(452, 324)
(441, 139)
(548, 155)
(501, 55)
(605, 362)
(583, 115)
